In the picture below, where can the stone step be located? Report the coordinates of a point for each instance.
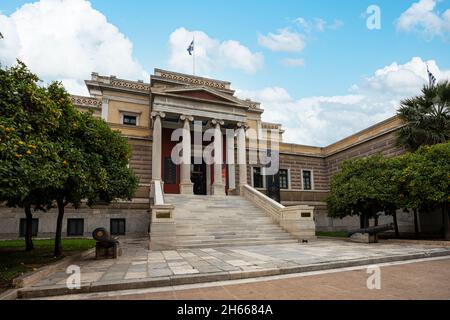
(235, 243)
(209, 221)
(230, 235)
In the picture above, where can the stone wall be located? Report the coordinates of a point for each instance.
(137, 220)
(141, 163)
(384, 144)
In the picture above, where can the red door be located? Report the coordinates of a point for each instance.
(170, 172)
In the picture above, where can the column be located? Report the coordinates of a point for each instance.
(157, 145)
(242, 154)
(186, 185)
(230, 160)
(218, 187)
(105, 109)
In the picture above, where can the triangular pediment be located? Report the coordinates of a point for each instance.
(203, 93)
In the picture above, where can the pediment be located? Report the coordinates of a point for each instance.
(204, 93)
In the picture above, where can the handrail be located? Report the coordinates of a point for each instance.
(158, 193)
(297, 220)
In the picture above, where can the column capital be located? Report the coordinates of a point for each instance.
(217, 122)
(243, 125)
(155, 114)
(185, 117)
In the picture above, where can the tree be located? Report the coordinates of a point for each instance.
(28, 164)
(389, 194)
(358, 190)
(52, 153)
(95, 159)
(426, 117)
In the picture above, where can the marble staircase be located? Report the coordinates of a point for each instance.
(213, 221)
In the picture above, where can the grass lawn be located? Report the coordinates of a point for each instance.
(332, 234)
(15, 261)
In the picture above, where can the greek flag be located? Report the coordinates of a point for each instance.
(431, 78)
(191, 48)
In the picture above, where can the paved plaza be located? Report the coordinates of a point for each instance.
(138, 264)
(429, 279)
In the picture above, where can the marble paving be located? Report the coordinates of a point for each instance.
(137, 262)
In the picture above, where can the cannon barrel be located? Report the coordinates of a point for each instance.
(372, 230)
(101, 235)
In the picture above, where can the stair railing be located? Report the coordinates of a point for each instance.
(297, 220)
(162, 220)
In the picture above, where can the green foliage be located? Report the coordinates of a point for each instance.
(424, 178)
(419, 180)
(29, 162)
(426, 117)
(357, 189)
(50, 152)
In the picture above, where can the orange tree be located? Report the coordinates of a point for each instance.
(95, 160)
(424, 182)
(53, 154)
(29, 162)
(358, 190)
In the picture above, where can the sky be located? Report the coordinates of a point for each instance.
(323, 69)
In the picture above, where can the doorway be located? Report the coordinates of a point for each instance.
(198, 178)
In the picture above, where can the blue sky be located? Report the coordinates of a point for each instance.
(338, 56)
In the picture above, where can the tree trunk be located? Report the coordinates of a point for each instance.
(394, 215)
(376, 221)
(28, 229)
(446, 221)
(362, 221)
(59, 222)
(416, 224)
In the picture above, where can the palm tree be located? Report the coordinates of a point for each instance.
(426, 117)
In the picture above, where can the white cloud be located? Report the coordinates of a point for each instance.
(422, 17)
(67, 40)
(284, 40)
(210, 53)
(322, 120)
(317, 24)
(292, 62)
(403, 79)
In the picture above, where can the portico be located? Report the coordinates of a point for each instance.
(200, 158)
(213, 124)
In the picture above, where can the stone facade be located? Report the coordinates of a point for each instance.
(142, 111)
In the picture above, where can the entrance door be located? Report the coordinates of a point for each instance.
(273, 187)
(198, 178)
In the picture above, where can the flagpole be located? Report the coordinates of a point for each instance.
(193, 57)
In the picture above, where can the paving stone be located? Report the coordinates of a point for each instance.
(238, 261)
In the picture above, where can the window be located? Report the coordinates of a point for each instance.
(34, 227)
(284, 179)
(307, 180)
(75, 227)
(129, 120)
(258, 181)
(118, 227)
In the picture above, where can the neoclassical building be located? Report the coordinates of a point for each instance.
(148, 113)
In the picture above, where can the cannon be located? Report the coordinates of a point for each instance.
(106, 246)
(369, 235)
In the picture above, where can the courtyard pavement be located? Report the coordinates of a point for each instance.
(138, 264)
(417, 279)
